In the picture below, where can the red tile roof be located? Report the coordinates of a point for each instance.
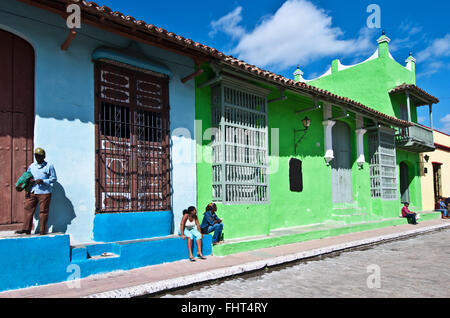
(422, 94)
(104, 13)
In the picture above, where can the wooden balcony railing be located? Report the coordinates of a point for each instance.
(416, 138)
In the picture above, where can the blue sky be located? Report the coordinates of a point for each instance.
(278, 35)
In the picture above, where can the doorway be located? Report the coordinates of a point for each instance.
(437, 182)
(17, 62)
(341, 173)
(404, 182)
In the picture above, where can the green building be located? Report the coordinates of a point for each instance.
(287, 161)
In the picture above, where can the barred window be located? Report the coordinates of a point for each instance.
(383, 164)
(240, 145)
(133, 171)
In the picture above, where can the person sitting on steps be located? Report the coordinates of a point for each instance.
(406, 213)
(443, 208)
(212, 223)
(190, 229)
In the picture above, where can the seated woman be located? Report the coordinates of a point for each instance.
(212, 223)
(190, 228)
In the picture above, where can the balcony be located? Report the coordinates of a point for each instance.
(415, 139)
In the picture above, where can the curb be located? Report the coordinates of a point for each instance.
(156, 287)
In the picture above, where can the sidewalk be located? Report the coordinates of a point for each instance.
(158, 278)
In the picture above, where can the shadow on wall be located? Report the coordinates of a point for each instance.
(61, 211)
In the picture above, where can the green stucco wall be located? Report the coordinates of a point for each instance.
(289, 209)
(369, 83)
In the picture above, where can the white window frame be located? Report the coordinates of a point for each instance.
(240, 147)
(383, 164)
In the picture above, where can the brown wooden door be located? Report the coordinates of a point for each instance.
(16, 123)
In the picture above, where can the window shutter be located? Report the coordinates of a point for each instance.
(295, 175)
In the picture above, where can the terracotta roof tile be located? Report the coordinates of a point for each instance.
(106, 12)
(417, 90)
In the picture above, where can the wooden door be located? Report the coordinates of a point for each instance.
(341, 173)
(404, 182)
(437, 182)
(16, 123)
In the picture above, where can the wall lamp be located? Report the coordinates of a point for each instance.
(307, 124)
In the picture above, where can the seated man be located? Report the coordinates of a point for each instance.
(212, 223)
(406, 213)
(443, 208)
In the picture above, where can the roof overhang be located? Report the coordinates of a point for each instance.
(420, 97)
(138, 30)
(242, 69)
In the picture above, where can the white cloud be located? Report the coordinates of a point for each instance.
(438, 48)
(229, 24)
(433, 68)
(422, 119)
(408, 27)
(434, 58)
(297, 33)
(446, 122)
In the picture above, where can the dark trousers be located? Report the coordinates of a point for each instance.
(412, 217)
(30, 204)
(217, 229)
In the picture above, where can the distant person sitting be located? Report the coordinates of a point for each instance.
(406, 213)
(190, 229)
(443, 208)
(447, 202)
(212, 223)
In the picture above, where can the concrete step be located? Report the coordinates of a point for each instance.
(101, 258)
(310, 232)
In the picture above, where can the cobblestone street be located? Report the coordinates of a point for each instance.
(415, 267)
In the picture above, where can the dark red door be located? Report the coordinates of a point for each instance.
(16, 123)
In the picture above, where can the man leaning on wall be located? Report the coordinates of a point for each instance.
(39, 192)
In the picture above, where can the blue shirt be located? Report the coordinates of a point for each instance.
(45, 172)
(209, 219)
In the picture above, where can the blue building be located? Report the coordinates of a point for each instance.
(113, 105)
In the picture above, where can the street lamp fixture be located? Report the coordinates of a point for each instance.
(307, 124)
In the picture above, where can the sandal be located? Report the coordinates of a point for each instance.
(192, 259)
(201, 257)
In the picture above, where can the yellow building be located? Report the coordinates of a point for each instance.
(436, 171)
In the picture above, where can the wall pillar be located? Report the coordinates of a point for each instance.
(408, 106)
(360, 132)
(328, 129)
(431, 116)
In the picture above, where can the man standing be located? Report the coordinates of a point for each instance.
(44, 176)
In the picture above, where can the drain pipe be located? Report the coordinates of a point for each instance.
(214, 80)
(195, 74)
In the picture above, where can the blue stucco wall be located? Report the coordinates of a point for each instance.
(132, 226)
(34, 261)
(26, 262)
(134, 255)
(65, 115)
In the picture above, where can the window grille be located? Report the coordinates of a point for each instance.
(383, 164)
(240, 144)
(132, 141)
